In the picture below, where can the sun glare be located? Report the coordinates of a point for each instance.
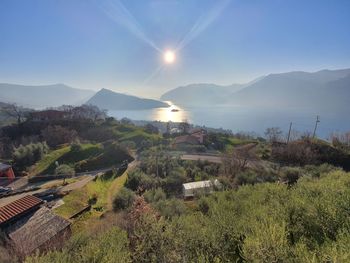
(169, 57)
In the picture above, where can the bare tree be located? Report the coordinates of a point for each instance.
(14, 111)
(239, 159)
(273, 134)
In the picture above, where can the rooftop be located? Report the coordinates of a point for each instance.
(34, 231)
(4, 167)
(200, 184)
(18, 207)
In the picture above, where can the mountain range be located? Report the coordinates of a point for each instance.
(43, 96)
(107, 99)
(326, 88)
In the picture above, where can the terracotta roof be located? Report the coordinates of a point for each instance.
(189, 139)
(18, 207)
(35, 230)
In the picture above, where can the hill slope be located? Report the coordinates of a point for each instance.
(200, 94)
(110, 100)
(320, 90)
(43, 96)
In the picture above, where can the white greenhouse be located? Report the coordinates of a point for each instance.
(192, 189)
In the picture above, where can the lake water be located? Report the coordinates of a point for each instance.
(248, 119)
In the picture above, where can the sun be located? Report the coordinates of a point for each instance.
(169, 57)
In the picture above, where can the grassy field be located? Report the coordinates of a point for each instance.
(65, 156)
(97, 192)
(49, 160)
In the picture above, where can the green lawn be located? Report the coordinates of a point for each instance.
(49, 160)
(99, 190)
(65, 156)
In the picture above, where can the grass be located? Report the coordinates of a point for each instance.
(99, 190)
(49, 160)
(65, 156)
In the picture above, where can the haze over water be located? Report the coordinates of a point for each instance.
(247, 119)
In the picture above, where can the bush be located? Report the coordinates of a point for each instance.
(123, 199)
(290, 175)
(25, 156)
(171, 207)
(246, 177)
(139, 181)
(76, 147)
(154, 195)
(64, 169)
(56, 135)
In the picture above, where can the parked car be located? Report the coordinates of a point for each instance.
(5, 190)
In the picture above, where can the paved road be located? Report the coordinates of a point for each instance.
(196, 157)
(69, 187)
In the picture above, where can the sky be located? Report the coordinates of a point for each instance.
(119, 44)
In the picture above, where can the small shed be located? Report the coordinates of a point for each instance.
(17, 209)
(189, 190)
(6, 171)
(41, 230)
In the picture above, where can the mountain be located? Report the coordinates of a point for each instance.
(110, 100)
(200, 94)
(43, 96)
(323, 89)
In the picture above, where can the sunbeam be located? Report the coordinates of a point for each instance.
(202, 23)
(153, 74)
(117, 11)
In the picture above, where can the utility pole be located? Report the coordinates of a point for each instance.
(316, 124)
(290, 129)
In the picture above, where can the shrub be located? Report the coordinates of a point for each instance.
(139, 181)
(290, 175)
(246, 177)
(154, 195)
(76, 147)
(25, 156)
(123, 199)
(56, 135)
(64, 169)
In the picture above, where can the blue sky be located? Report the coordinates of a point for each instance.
(96, 44)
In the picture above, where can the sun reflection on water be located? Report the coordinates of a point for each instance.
(172, 113)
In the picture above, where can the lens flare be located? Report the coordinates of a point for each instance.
(169, 57)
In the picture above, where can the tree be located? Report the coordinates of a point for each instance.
(65, 169)
(56, 135)
(14, 111)
(273, 134)
(184, 126)
(151, 128)
(25, 156)
(238, 159)
(123, 199)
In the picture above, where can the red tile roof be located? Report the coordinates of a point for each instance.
(18, 207)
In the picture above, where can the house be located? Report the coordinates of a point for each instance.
(196, 137)
(199, 134)
(30, 226)
(186, 139)
(47, 115)
(6, 171)
(190, 190)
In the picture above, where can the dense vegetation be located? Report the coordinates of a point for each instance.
(308, 222)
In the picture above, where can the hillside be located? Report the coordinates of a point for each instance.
(320, 90)
(43, 96)
(199, 94)
(110, 100)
